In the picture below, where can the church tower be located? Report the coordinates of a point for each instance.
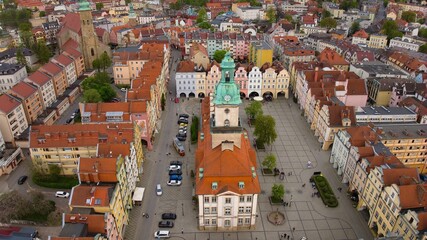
(132, 16)
(89, 42)
(226, 127)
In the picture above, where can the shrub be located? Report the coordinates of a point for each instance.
(326, 193)
(194, 129)
(55, 181)
(277, 192)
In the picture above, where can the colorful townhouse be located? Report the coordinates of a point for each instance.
(260, 53)
(30, 97)
(12, 118)
(57, 74)
(45, 85)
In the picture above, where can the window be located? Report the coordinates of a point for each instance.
(214, 199)
(241, 209)
(213, 210)
(247, 221)
(248, 209)
(214, 185)
(207, 221)
(206, 199)
(249, 199)
(227, 211)
(213, 221)
(227, 200)
(206, 210)
(240, 221)
(227, 223)
(92, 52)
(242, 199)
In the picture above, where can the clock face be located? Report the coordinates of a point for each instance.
(227, 98)
(227, 110)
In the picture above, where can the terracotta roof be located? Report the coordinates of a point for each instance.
(213, 5)
(91, 196)
(360, 134)
(8, 103)
(95, 222)
(378, 160)
(99, 32)
(185, 66)
(330, 56)
(196, 48)
(72, 22)
(364, 56)
(113, 150)
(226, 167)
(99, 110)
(422, 224)
(23, 89)
(70, 45)
(356, 87)
(98, 169)
(63, 59)
(39, 78)
(83, 135)
(413, 196)
(308, 19)
(400, 176)
(51, 68)
(338, 113)
(361, 34)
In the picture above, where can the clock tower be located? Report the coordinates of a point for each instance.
(225, 122)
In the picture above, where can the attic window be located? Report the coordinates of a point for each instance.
(214, 186)
(241, 185)
(72, 140)
(97, 201)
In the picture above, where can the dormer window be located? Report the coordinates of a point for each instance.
(214, 185)
(241, 185)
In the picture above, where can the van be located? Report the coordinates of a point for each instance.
(179, 147)
(159, 190)
(162, 234)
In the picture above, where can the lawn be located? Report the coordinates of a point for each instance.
(325, 190)
(59, 182)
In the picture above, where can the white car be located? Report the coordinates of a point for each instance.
(174, 183)
(123, 89)
(159, 190)
(174, 167)
(162, 234)
(62, 194)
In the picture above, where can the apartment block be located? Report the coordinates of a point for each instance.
(11, 74)
(385, 115)
(68, 65)
(63, 145)
(31, 99)
(57, 74)
(77, 57)
(12, 118)
(187, 77)
(376, 69)
(45, 85)
(380, 89)
(260, 53)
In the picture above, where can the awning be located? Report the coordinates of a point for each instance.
(138, 195)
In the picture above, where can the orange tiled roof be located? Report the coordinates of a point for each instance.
(400, 176)
(51, 68)
(227, 167)
(95, 222)
(185, 66)
(196, 48)
(356, 87)
(39, 78)
(98, 110)
(338, 113)
(61, 58)
(422, 224)
(23, 89)
(360, 134)
(361, 34)
(91, 196)
(8, 103)
(330, 56)
(113, 150)
(98, 169)
(413, 196)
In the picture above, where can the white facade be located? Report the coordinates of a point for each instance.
(186, 82)
(255, 81)
(70, 72)
(250, 13)
(340, 151)
(2, 143)
(13, 123)
(385, 115)
(406, 43)
(294, 6)
(10, 75)
(131, 169)
(228, 211)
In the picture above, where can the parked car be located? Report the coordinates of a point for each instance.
(175, 177)
(175, 172)
(169, 216)
(184, 115)
(22, 179)
(77, 111)
(183, 124)
(182, 132)
(159, 190)
(165, 224)
(181, 138)
(183, 128)
(123, 89)
(69, 120)
(176, 163)
(174, 183)
(162, 234)
(73, 116)
(182, 121)
(62, 194)
(174, 167)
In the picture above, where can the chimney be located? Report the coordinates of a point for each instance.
(316, 73)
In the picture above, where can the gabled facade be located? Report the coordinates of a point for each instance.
(12, 118)
(30, 98)
(45, 85)
(68, 65)
(57, 74)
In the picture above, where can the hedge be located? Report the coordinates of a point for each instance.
(194, 129)
(58, 182)
(325, 190)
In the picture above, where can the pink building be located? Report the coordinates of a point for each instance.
(212, 78)
(241, 77)
(352, 92)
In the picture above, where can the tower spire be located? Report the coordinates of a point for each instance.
(131, 11)
(84, 5)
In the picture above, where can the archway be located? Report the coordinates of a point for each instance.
(183, 95)
(268, 96)
(281, 94)
(144, 142)
(242, 95)
(201, 95)
(253, 94)
(191, 95)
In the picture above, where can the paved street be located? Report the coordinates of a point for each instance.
(294, 147)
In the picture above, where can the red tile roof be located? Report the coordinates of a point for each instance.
(400, 176)
(361, 34)
(23, 89)
(413, 196)
(185, 66)
(51, 68)
(338, 113)
(330, 56)
(91, 196)
(98, 169)
(64, 60)
(72, 22)
(356, 87)
(39, 78)
(8, 103)
(98, 110)
(422, 224)
(95, 222)
(113, 150)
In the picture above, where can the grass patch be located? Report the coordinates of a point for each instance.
(59, 181)
(325, 190)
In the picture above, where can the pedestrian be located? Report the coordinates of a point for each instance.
(288, 237)
(284, 235)
(293, 229)
(303, 185)
(182, 230)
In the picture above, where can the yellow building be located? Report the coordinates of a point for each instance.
(377, 41)
(410, 224)
(260, 53)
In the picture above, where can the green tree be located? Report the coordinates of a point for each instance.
(107, 93)
(12, 17)
(271, 15)
(326, 14)
(288, 17)
(391, 29)
(42, 14)
(269, 162)
(105, 60)
(355, 26)
(54, 170)
(265, 129)
(254, 110)
(128, 1)
(27, 39)
(25, 26)
(347, 4)
(20, 58)
(328, 23)
(422, 32)
(202, 16)
(99, 6)
(277, 192)
(43, 52)
(409, 16)
(204, 25)
(423, 48)
(11, 206)
(97, 64)
(92, 96)
(219, 55)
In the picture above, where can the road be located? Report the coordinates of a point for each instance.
(380, 14)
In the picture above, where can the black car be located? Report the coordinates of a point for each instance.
(175, 172)
(168, 216)
(179, 163)
(181, 138)
(69, 120)
(165, 224)
(22, 179)
(182, 121)
(77, 111)
(184, 115)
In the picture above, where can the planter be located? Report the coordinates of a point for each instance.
(325, 190)
(275, 202)
(267, 172)
(259, 146)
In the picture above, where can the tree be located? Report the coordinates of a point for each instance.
(288, 17)
(409, 16)
(202, 16)
(354, 28)
(25, 26)
(271, 15)
(20, 58)
(254, 110)
(92, 96)
(42, 14)
(205, 25)
(163, 102)
(27, 39)
(347, 4)
(105, 60)
(269, 162)
(391, 29)
(219, 55)
(54, 170)
(277, 192)
(385, 3)
(97, 64)
(423, 48)
(10, 203)
(43, 52)
(107, 93)
(422, 32)
(328, 23)
(326, 14)
(99, 6)
(265, 131)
